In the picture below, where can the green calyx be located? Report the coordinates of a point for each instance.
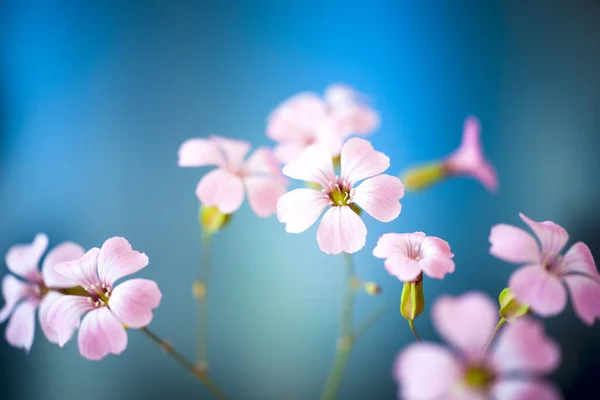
(422, 177)
(510, 308)
(212, 220)
(412, 301)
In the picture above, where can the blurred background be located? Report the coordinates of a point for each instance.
(96, 97)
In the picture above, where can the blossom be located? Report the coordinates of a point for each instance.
(108, 308)
(341, 229)
(539, 283)
(23, 297)
(408, 255)
(510, 370)
(223, 187)
(307, 119)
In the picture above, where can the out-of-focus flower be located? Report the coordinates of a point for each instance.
(109, 309)
(306, 119)
(22, 298)
(341, 229)
(260, 175)
(467, 160)
(539, 284)
(511, 370)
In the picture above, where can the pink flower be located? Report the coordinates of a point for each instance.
(223, 187)
(22, 298)
(539, 283)
(341, 229)
(110, 308)
(408, 255)
(509, 371)
(468, 159)
(306, 119)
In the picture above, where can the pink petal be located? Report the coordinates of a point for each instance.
(341, 230)
(64, 315)
(101, 333)
(23, 259)
(133, 301)
(221, 188)
(84, 271)
(233, 151)
(45, 305)
(513, 244)
(466, 321)
(296, 118)
(360, 119)
(300, 208)
(402, 267)
(117, 259)
(288, 152)
(553, 237)
(263, 194)
(436, 257)
(200, 153)
(21, 326)
(330, 135)
(524, 347)
(263, 163)
(579, 259)
(585, 296)
(63, 252)
(360, 160)
(313, 165)
(525, 390)
(486, 174)
(426, 371)
(13, 291)
(391, 243)
(535, 286)
(380, 197)
(338, 95)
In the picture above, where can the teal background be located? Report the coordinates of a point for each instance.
(96, 98)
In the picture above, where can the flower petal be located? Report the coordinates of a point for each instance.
(513, 244)
(380, 197)
(536, 287)
(64, 315)
(67, 251)
(341, 230)
(524, 347)
(117, 259)
(263, 193)
(221, 188)
(23, 259)
(101, 333)
(579, 259)
(553, 237)
(466, 321)
(585, 297)
(233, 151)
(486, 174)
(436, 257)
(296, 118)
(360, 160)
(300, 208)
(288, 152)
(13, 291)
(313, 165)
(263, 163)
(200, 153)
(45, 305)
(426, 371)
(390, 243)
(404, 268)
(21, 326)
(83, 271)
(133, 301)
(525, 390)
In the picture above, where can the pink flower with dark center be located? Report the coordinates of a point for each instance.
(259, 175)
(109, 309)
(341, 229)
(306, 119)
(510, 370)
(408, 255)
(23, 297)
(539, 283)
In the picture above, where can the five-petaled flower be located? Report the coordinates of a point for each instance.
(510, 370)
(109, 309)
(341, 229)
(223, 187)
(22, 298)
(539, 283)
(307, 119)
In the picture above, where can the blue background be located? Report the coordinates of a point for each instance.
(96, 98)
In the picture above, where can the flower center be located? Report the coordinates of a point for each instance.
(339, 193)
(99, 294)
(554, 265)
(479, 377)
(339, 196)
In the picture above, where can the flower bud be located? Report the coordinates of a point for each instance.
(372, 288)
(412, 300)
(419, 178)
(199, 290)
(510, 308)
(212, 220)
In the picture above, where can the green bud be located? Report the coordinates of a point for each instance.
(419, 178)
(372, 288)
(510, 308)
(412, 300)
(212, 220)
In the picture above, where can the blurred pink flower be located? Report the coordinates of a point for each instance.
(110, 308)
(408, 255)
(539, 283)
(511, 370)
(341, 229)
(223, 187)
(306, 119)
(22, 298)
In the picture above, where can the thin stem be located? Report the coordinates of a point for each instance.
(369, 322)
(498, 327)
(200, 374)
(202, 328)
(414, 330)
(348, 307)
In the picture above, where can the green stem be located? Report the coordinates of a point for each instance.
(414, 330)
(202, 328)
(200, 374)
(498, 327)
